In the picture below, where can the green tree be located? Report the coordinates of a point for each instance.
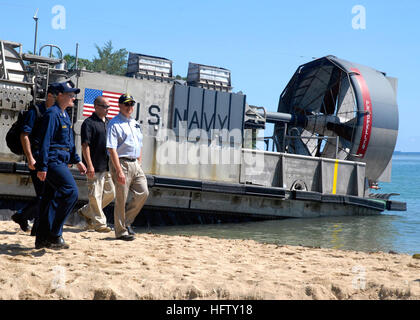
(178, 77)
(81, 63)
(110, 61)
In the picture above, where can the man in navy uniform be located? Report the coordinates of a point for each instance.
(57, 150)
(29, 138)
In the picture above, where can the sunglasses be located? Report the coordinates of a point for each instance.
(70, 95)
(129, 104)
(104, 106)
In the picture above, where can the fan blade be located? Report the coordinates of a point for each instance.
(342, 130)
(346, 101)
(311, 144)
(297, 144)
(330, 97)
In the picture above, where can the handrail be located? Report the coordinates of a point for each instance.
(51, 47)
(3, 58)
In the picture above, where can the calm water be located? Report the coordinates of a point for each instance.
(396, 231)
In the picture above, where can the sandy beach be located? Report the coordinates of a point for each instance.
(190, 267)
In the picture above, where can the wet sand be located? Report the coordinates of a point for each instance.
(191, 267)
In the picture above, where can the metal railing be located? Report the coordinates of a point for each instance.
(298, 136)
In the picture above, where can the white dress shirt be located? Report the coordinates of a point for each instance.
(124, 135)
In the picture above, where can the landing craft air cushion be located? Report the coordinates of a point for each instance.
(334, 134)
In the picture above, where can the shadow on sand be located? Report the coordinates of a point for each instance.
(17, 250)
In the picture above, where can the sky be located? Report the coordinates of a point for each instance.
(261, 42)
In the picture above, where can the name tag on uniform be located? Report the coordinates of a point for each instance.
(64, 127)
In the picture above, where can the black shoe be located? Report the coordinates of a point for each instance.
(58, 243)
(130, 230)
(22, 222)
(127, 237)
(39, 244)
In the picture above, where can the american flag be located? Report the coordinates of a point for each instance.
(90, 96)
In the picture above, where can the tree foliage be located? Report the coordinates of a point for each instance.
(81, 63)
(178, 77)
(108, 60)
(112, 62)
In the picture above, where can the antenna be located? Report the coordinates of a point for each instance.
(36, 28)
(77, 56)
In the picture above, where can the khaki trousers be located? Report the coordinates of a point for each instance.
(136, 184)
(101, 192)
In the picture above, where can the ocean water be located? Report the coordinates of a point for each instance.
(390, 231)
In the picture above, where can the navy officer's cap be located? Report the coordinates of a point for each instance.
(52, 88)
(66, 86)
(126, 98)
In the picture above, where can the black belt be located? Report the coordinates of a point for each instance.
(59, 148)
(128, 159)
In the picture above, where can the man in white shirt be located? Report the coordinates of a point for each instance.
(124, 143)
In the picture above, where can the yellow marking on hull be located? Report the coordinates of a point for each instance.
(334, 191)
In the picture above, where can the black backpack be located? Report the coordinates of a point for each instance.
(13, 135)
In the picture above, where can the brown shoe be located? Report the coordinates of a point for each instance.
(103, 229)
(127, 237)
(81, 215)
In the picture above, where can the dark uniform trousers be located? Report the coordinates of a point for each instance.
(32, 211)
(59, 199)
